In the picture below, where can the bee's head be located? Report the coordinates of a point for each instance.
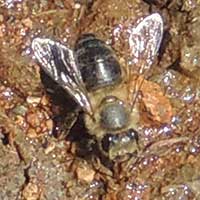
(116, 146)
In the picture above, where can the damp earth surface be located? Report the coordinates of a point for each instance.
(46, 155)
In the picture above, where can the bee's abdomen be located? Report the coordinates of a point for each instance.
(97, 63)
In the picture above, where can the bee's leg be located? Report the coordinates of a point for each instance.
(82, 7)
(134, 89)
(104, 156)
(102, 151)
(80, 10)
(101, 168)
(69, 122)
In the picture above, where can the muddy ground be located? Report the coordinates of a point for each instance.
(43, 158)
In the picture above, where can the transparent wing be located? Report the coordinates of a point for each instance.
(58, 62)
(144, 41)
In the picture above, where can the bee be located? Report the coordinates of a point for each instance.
(92, 75)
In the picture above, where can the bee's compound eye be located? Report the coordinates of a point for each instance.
(114, 116)
(106, 141)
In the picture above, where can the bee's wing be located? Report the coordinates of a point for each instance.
(144, 41)
(59, 63)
